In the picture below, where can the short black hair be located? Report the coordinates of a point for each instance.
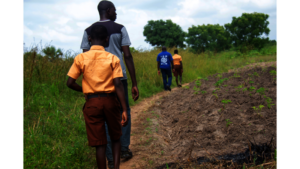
(99, 32)
(163, 48)
(104, 5)
(176, 51)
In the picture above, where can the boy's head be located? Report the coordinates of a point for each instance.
(107, 9)
(175, 51)
(99, 35)
(163, 48)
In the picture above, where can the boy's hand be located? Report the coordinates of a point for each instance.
(135, 93)
(158, 72)
(124, 119)
(181, 70)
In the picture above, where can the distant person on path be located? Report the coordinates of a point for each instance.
(164, 61)
(101, 84)
(118, 42)
(178, 67)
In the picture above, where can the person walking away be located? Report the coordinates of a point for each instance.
(164, 63)
(178, 67)
(119, 43)
(101, 85)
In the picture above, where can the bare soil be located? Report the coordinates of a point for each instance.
(192, 121)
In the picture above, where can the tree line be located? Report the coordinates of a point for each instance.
(244, 33)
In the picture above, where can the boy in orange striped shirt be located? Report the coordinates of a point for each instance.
(178, 68)
(102, 87)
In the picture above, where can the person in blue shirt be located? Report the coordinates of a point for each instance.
(164, 61)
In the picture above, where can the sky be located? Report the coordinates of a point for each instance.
(62, 22)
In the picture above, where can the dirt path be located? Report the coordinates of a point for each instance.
(135, 111)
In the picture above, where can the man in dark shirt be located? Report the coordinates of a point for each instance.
(164, 61)
(118, 42)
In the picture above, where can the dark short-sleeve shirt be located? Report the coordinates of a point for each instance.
(118, 37)
(165, 59)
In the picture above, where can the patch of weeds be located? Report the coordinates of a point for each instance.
(198, 78)
(245, 89)
(236, 75)
(216, 95)
(195, 93)
(198, 83)
(273, 72)
(213, 91)
(261, 91)
(239, 86)
(251, 88)
(219, 82)
(156, 130)
(219, 75)
(151, 162)
(203, 92)
(251, 82)
(206, 79)
(162, 152)
(249, 124)
(225, 102)
(268, 100)
(225, 85)
(255, 74)
(186, 87)
(228, 122)
(196, 89)
(148, 119)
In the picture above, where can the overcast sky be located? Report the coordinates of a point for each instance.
(62, 22)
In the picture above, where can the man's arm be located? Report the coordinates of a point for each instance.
(85, 45)
(121, 95)
(71, 83)
(130, 66)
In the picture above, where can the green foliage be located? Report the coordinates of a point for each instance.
(273, 72)
(226, 101)
(251, 88)
(269, 101)
(52, 53)
(132, 50)
(219, 82)
(208, 37)
(247, 30)
(261, 91)
(164, 33)
(228, 122)
(203, 92)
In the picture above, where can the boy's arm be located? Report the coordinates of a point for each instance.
(121, 95)
(71, 83)
(130, 66)
(181, 66)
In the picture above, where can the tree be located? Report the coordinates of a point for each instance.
(52, 53)
(164, 33)
(247, 30)
(208, 37)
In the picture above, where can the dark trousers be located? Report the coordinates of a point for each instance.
(125, 138)
(165, 73)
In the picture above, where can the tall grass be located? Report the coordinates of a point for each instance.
(54, 129)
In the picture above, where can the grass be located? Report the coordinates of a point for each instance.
(54, 129)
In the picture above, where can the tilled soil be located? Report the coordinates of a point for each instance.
(194, 122)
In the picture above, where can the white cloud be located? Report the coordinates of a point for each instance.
(64, 21)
